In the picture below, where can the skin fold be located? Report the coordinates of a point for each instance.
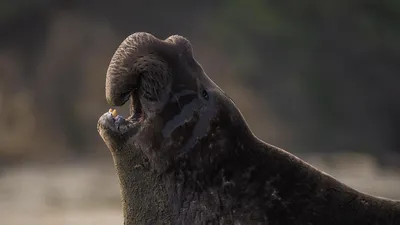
(186, 155)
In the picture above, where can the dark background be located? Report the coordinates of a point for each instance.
(317, 78)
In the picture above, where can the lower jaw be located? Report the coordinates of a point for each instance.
(134, 116)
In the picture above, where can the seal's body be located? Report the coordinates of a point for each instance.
(187, 156)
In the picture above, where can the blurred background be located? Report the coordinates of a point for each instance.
(317, 78)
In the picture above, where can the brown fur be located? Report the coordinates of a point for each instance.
(192, 159)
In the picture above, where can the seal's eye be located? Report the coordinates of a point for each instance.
(205, 95)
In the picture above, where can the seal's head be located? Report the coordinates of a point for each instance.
(174, 104)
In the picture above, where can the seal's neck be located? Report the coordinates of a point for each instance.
(287, 189)
(314, 196)
(143, 196)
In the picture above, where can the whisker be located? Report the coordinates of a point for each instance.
(155, 92)
(177, 99)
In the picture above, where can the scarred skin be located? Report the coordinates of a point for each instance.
(187, 156)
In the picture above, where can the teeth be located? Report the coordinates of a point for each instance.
(114, 113)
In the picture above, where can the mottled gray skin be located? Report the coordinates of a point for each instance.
(187, 156)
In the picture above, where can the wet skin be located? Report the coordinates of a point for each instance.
(185, 155)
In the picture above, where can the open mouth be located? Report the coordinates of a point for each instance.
(111, 121)
(136, 114)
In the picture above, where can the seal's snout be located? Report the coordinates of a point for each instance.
(122, 75)
(143, 68)
(140, 62)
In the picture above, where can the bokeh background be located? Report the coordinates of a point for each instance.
(317, 78)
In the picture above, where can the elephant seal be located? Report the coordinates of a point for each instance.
(186, 155)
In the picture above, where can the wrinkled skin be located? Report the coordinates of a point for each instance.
(186, 155)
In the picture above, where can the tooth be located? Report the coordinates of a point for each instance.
(114, 113)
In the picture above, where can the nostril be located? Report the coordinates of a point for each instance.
(125, 96)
